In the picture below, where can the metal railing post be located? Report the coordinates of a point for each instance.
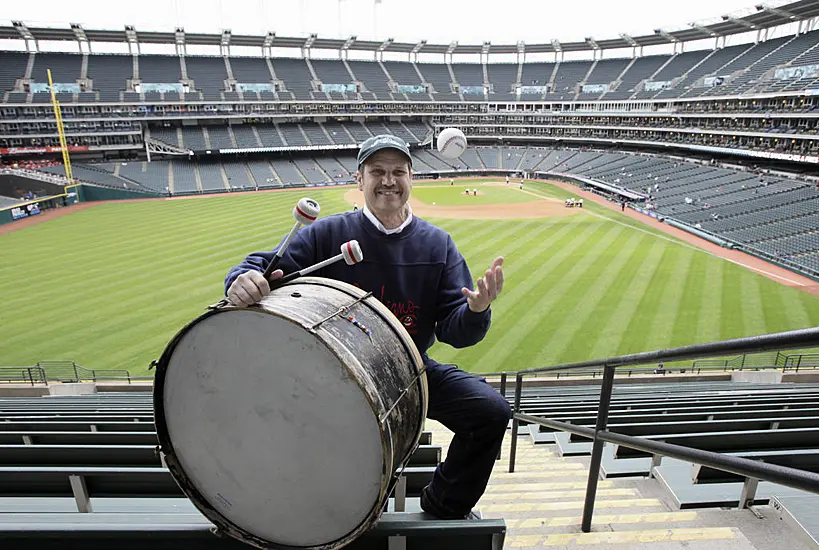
(597, 448)
(503, 393)
(515, 422)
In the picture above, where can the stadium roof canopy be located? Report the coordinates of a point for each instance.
(764, 17)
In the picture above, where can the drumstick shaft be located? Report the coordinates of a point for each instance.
(287, 240)
(319, 265)
(280, 252)
(296, 274)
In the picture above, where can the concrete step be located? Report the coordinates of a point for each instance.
(717, 538)
(542, 504)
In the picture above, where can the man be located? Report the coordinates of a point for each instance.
(415, 269)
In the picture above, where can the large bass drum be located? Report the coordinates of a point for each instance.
(285, 422)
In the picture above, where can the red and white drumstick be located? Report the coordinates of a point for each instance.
(350, 253)
(305, 213)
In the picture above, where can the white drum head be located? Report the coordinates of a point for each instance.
(270, 428)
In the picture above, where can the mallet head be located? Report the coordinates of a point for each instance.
(306, 211)
(351, 252)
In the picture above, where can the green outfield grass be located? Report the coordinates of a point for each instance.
(455, 196)
(108, 286)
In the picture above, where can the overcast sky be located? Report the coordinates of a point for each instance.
(468, 21)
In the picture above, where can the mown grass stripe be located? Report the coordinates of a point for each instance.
(598, 325)
(752, 311)
(731, 322)
(550, 251)
(662, 325)
(611, 340)
(582, 299)
(686, 323)
(524, 257)
(710, 312)
(640, 324)
(551, 288)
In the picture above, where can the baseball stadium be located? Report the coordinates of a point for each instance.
(639, 371)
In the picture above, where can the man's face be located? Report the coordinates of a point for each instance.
(386, 180)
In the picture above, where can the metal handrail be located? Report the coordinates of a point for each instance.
(783, 475)
(770, 342)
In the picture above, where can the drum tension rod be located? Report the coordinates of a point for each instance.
(339, 311)
(403, 393)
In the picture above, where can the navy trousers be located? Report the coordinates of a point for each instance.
(478, 416)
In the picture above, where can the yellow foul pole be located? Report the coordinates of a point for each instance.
(61, 131)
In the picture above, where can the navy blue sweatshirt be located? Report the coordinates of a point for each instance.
(417, 273)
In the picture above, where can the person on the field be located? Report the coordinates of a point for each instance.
(416, 270)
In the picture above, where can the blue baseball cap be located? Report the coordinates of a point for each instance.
(384, 141)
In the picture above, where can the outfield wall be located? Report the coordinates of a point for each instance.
(68, 196)
(88, 193)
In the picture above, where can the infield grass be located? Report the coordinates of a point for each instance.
(455, 195)
(108, 286)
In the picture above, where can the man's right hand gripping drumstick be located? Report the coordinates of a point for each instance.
(250, 287)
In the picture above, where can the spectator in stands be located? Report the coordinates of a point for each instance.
(414, 268)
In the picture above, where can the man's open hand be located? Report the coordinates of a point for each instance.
(487, 288)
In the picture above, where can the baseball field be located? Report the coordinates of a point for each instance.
(107, 286)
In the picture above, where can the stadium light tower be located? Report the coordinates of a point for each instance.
(131, 39)
(558, 48)
(743, 23)
(308, 44)
(79, 35)
(708, 32)
(383, 47)
(781, 13)
(631, 42)
(25, 34)
(346, 47)
(668, 37)
(450, 50)
(415, 49)
(485, 51)
(595, 48)
(778, 11)
(267, 44)
(179, 41)
(224, 43)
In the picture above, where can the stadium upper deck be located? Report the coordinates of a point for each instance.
(784, 65)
